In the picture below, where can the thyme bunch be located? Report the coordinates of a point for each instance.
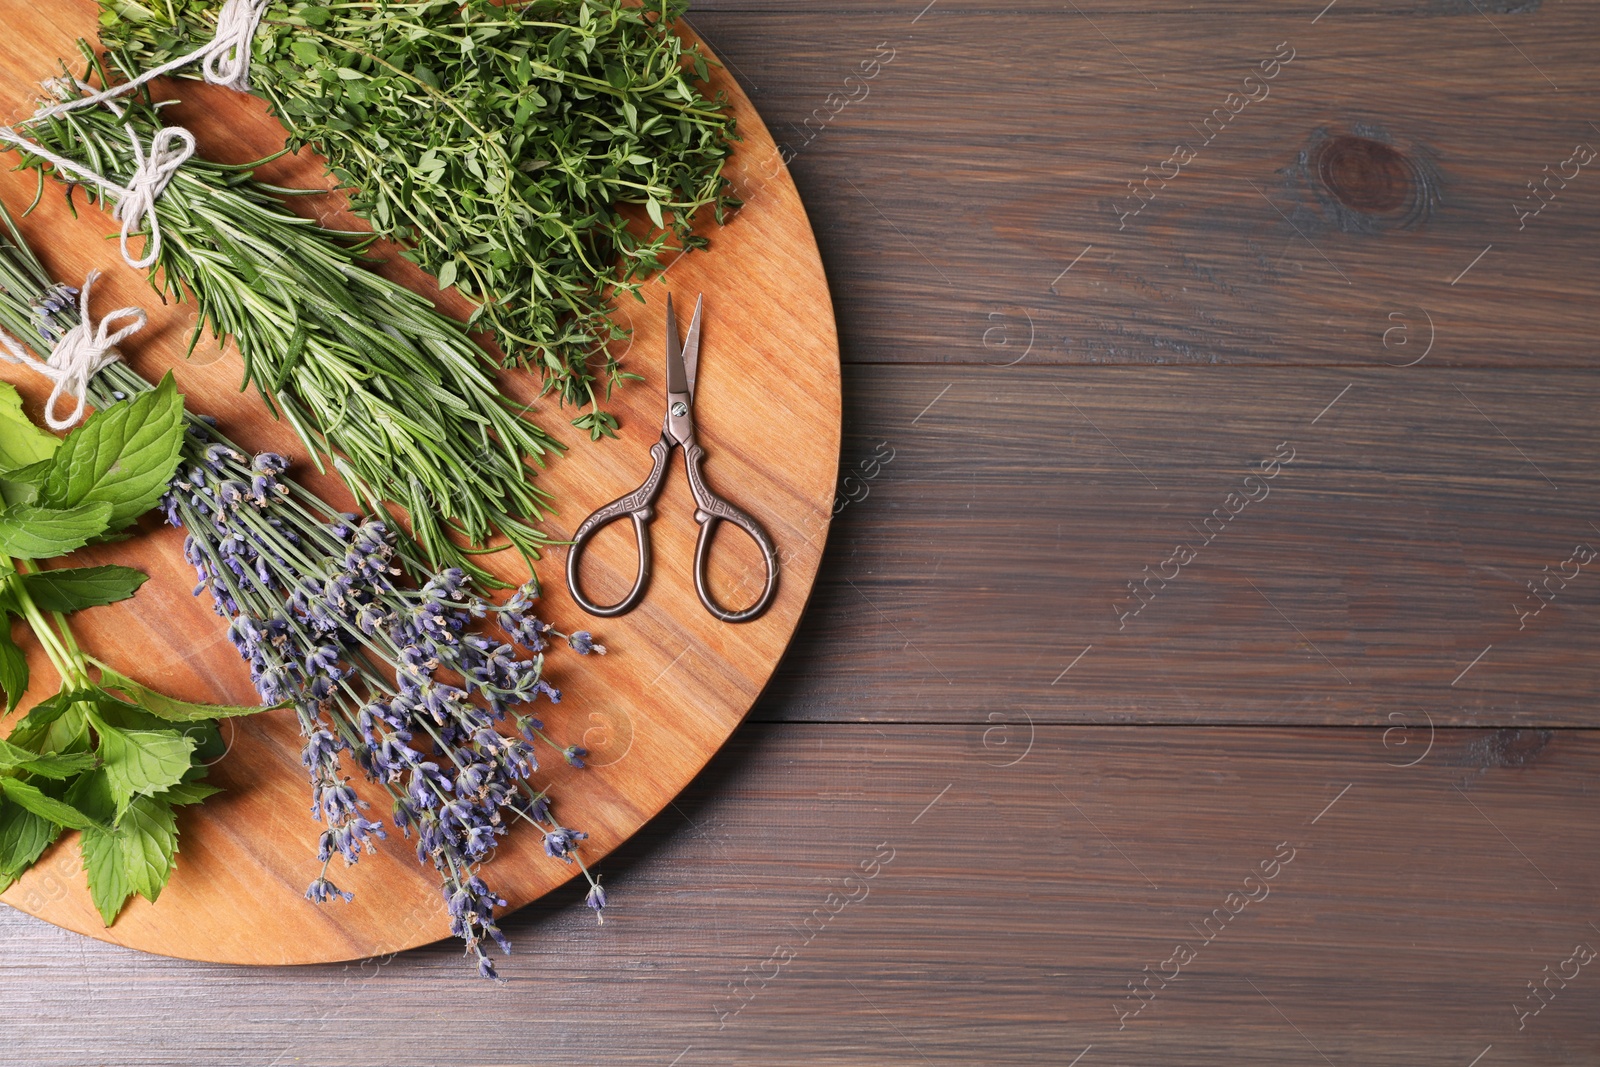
(498, 143)
(367, 372)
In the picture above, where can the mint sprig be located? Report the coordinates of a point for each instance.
(88, 759)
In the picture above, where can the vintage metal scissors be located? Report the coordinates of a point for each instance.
(677, 430)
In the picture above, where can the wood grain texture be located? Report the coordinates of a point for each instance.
(1027, 134)
(997, 541)
(1003, 925)
(677, 681)
(1014, 915)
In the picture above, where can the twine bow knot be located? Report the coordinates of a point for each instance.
(82, 352)
(170, 148)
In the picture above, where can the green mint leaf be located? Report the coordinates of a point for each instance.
(170, 709)
(51, 765)
(53, 725)
(60, 765)
(15, 491)
(13, 666)
(34, 532)
(149, 838)
(136, 856)
(91, 794)
(76, 588)
(28, 795)
(108, 878)
(12, 756)
(35, 727)
(121, 714)
(123, 456)
(22, 486)
(141, 762)
(23, 838)
(21, 442)
(188, 793)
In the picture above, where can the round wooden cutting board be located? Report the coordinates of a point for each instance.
(652, 712)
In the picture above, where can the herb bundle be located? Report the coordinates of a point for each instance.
(365, 370)
(497, 142)
(86, 759)
(316, 605)
(369, 665)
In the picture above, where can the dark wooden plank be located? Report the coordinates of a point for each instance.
(963, 177)
(998, 541)
(1018, 905)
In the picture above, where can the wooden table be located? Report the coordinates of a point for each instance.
(1203, 659)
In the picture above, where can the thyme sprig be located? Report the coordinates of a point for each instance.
(499, 143)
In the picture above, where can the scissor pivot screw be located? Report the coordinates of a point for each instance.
(680, 409)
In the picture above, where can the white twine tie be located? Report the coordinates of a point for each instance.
(169, 149)
(225, 59)
(83, 351)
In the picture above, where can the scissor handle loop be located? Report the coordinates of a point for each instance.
(710, 510)
(637, 506)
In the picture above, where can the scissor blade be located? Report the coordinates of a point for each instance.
(677, 376)
(691, 345)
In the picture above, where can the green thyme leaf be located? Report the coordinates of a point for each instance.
(511, 148)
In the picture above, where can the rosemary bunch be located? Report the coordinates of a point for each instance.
(365, 370)
(497, 142)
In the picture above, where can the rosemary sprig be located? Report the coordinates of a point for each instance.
(366, 371)
(498, 142)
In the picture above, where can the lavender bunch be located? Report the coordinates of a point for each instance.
(318, 609)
